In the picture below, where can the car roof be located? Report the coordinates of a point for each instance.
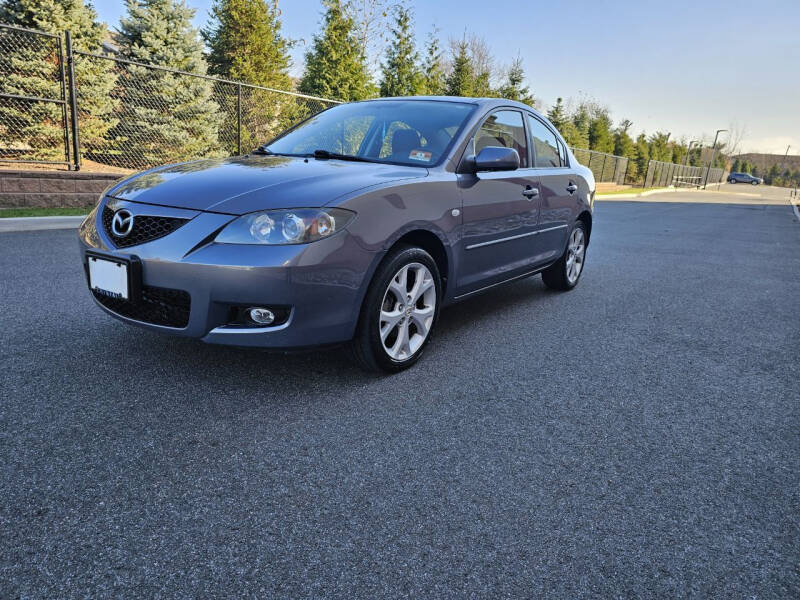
(482, 102)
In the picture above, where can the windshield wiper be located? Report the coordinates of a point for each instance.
(325, 154)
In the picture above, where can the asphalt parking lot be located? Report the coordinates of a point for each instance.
(637, 437)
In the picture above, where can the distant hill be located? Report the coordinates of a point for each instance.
(765, 161)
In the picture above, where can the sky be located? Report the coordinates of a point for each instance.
(689, 68)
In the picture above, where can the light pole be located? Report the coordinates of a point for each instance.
(713, 152)
(689, 151)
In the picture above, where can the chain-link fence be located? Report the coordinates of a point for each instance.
(33, 102)
(153, 115)
(663, 174)
(68, 107)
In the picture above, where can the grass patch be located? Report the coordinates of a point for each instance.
(44, 212)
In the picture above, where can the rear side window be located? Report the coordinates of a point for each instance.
(545, 145)
(503, 128)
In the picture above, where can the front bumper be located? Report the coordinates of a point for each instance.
(323, 282)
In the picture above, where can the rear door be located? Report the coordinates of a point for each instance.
(500, 209)
(557, 187)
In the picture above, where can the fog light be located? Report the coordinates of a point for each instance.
(263, 316)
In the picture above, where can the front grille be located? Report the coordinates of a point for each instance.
(146, 228)
(159, 306)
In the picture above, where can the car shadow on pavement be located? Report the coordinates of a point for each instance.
(219, 369)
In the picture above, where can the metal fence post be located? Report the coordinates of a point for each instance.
(239, 119)
(73, 103)
(63, 77)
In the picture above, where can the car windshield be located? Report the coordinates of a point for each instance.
(407, 132)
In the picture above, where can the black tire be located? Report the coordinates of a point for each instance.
(754, 182)
(555, 276)
(732, 180)
(366, 347)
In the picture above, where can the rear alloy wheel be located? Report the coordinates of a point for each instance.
(399, 312)
(566, 271)
(733, 181)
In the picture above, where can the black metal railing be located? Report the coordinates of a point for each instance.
(33, 100)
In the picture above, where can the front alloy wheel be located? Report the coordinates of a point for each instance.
(407, 311)
(399, 311)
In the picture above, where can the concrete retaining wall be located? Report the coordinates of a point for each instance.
(52, 189)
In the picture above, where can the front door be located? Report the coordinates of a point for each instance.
(500, 209)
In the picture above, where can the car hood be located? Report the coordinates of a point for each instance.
(244, 184)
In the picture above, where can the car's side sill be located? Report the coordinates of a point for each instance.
(514, 237)
(509, 280)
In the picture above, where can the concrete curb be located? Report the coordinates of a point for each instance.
(39, 223)
(643, 194)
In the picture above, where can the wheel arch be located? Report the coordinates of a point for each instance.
(586, 218)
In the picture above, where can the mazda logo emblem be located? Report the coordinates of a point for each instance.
(122, 223)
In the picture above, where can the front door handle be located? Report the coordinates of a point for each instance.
(530, 192)
(572, 188)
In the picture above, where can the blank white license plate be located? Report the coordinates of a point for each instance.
(108, 277)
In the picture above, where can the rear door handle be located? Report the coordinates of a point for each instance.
(572, 188)
(530, 192)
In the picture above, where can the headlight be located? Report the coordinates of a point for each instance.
(295, 226)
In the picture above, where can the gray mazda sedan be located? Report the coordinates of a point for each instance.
(357, 225)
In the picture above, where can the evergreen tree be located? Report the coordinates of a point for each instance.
(514, 88)
(433, 80)
(34, 71)
(641, 155)
(166, 116)
(557, 114)
(773, 174)
(600, 132)
(401, 76)
(336, 67)
(659, 147)
(581, 120)
(245, 44)
(736, 166)
(623, 144)
(461, 81)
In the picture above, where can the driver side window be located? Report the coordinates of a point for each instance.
(503, 128)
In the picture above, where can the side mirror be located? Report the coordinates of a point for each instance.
(497, 158)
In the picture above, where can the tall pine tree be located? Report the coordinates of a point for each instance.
(401, 76)
(600, 132)
(336, 67)
(167, 116)
(33, 70)
(433, 80)
(557, 114)
(514, 88)
(461, 80)
(245, 44)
